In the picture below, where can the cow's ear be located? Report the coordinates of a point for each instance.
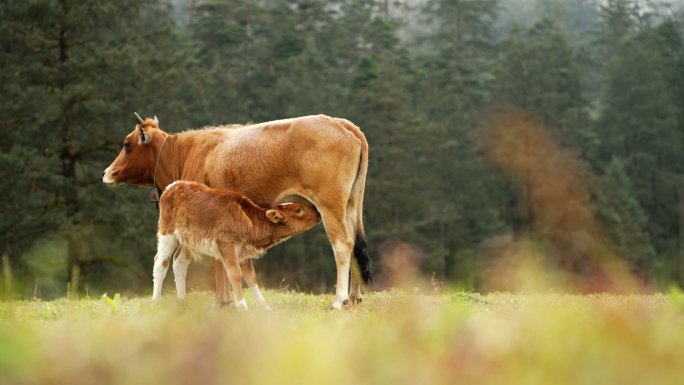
(142, 137)
(156, 121)
(275, 216)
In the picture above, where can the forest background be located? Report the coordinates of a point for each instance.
(496, 128)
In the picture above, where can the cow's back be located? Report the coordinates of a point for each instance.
(301, 156)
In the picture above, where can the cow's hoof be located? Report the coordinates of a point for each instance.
(355, 300)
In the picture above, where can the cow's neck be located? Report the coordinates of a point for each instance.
(169, 166)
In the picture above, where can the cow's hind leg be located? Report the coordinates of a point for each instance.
(180, 270)
(166, 246)
(250, 276)
(231, 264)
(338, 233)
(355, 295)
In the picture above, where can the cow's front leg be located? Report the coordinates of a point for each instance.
(231, 263)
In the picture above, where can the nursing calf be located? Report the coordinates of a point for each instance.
(222, 224)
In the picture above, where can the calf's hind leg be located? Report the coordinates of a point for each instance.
(166, 246)
(180, 270)
(231, 263)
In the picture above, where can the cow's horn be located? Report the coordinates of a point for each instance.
(138, 118)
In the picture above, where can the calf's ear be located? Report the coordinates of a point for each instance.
(275, 216)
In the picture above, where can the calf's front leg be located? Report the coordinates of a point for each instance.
(250, 276)
(220, 283)
(231, 263)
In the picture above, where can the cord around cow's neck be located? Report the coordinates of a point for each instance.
(157, 190)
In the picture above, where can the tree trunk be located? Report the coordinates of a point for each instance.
(679, 262)
(7, 277)
(69, 158)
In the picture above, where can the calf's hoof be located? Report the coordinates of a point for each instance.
(356, 300)
(339, 304)
(218, 305)
(241, 305)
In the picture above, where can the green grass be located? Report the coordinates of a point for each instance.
(392, 338)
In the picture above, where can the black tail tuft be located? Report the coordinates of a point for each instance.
(362, 258)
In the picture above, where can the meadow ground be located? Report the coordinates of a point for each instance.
(392, 338)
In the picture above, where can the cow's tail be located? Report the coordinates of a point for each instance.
(362, 258)
(355, 208)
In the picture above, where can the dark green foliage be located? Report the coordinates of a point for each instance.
(537, 72)
(624, 220)
(71, 70)
(641, 120)
(606, 78)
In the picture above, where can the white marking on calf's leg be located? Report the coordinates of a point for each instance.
(241, 304)
(166, 245)
(180, 271)
(250, 276)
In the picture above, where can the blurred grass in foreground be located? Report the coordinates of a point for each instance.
(392, 338)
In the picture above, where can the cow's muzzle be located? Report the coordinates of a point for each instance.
(109, 180)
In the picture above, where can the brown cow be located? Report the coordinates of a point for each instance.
(321, 159)
(222, 224)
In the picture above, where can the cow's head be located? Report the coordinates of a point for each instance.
(136, 161)
(298, 217)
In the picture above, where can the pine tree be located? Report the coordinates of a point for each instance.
(453, 85)
(624, 220)
(73, 72)
(537, 73)
(641, 119)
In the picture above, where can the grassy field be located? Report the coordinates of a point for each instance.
(392, 338)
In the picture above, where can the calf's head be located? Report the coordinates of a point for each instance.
(136, 160)
(298, 217)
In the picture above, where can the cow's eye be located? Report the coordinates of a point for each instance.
(127, 146)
